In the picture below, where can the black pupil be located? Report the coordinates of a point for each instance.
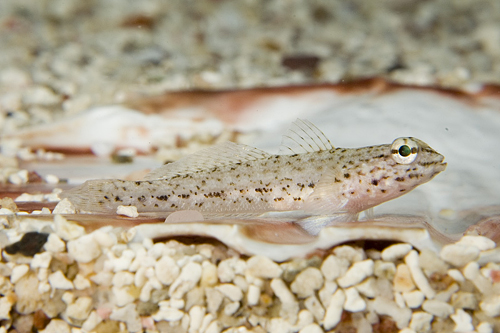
(404, 150)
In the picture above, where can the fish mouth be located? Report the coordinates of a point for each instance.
(442, 165)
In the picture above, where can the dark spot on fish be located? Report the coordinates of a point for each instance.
(106, 197)
(352, 192)
(279, 199)
(311, 185)
(117, 198)
(400, 179)
(347, 175)
(375, 182)
(383, 191)
(141, 198)
(337, 180)
(162, 197)
(402, 190)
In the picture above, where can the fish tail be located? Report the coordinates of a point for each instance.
(91, 197)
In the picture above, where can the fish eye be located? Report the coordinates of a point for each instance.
(404, 150)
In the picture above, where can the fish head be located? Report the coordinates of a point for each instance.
(385, 172)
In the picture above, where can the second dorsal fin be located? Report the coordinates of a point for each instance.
(223, 154)
(303, 137)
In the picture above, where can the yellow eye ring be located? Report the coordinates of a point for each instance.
(404, 150)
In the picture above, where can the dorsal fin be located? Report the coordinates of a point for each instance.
(223, 154)
(303, 137)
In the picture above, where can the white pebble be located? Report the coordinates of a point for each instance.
(333, 267)
(54, 244)
(263, 267)
(56, 326)
(57, 280)
(196, 315)
(122, 279)
(51, 179)
(459, 255)
(167, 313)
(305, 318)
(127, 314)
(403, 281)
(81, 282)
(414, 299)
(214, 300)
(368, 287)
(311, 328)
(437, 308)
(307, 282)
(253, 295)
(64, 207)
(412, 261)
(18, 178)
(354, 302)
(314, 306)
(41, 260)
(6, 304)
(456, 275)
(480, 242)
(334, 310)
(395, 252)
(421, 321)
(325, 294)
(289, 305)
(225, 271)
(484, 327)
(356, 273)
(166, 270)
(130, 211)
(18, 272)
(463, 321)
(350, 253)
(80, 309)
(67, 230)
(491, 305)
(84, 249)
(231, 308)
(177, 303)
(230, 291)
(384, 306)
(472, 273)
(187, 280)
(92, 321)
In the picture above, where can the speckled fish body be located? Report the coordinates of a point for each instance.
(232, 179)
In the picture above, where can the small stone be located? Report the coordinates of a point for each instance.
(253, 295)
(421, 321)
(80, 310)
(18, 178)
(350, 253)
(395, 252)
(311, 328)
(456, 275)
(209, 274)
(463, 321)
(437, 308)
(130, 211)
(84, 249)
(166, 270)
(57, 280)
(128, 314)
(368, 287)
(196, 314)
(51, 179)
(67, 230)
(289, 305)
(214, 300)
(354, 302)
(414, 299)
(402, 279)
(57, 326)
(54, 244)
(64, 207)
(30, 244)
(480, 242)
(263, 267)
(484, 327)
(459, 255)
(80, 282)
(167, 313)
(187, 280)
(230, 291)
(307, 282)
(412, 261)
(334, 310)
(231, 308)
(325, 294)
(384, 270)
(356, 273)
(384, 306)
(446, 294)
(472, 273)
(314, 306)
(491, 305)
(333, 267)
(91, 322)
(121, 279)
(6, 304)
(41, 260)
(18, 272)
(225, 270)
(430, 263)
(464, 300)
